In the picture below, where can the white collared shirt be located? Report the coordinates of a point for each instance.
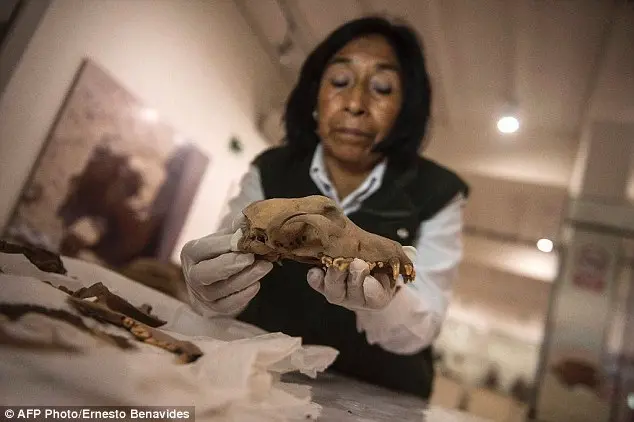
(352, 202)
(413, 319)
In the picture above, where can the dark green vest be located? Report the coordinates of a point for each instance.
(286, 302)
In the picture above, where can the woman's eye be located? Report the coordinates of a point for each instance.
(339, 82)
(382, 88)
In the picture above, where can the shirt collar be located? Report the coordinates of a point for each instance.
(353, 201)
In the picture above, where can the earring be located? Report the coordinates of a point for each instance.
(315, 114)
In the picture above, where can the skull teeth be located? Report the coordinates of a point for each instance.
(341, 264)
(410, 273)
(396, 267)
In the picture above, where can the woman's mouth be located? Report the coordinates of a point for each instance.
(353, 133)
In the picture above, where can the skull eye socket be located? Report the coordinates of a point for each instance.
(333, 214)
(330, 212)
(260, 236)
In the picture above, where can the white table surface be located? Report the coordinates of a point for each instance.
(348, 400)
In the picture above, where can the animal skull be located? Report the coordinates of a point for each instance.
(314, 230)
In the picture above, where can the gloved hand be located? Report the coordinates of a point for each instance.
(355, 288)
(218, 278)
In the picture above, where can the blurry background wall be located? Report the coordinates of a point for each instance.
(197, 62)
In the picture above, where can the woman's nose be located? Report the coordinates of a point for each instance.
(356, 101)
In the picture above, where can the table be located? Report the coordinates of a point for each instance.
(348, 400)
(342, 399)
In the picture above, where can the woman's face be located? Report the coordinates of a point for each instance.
(359, 99)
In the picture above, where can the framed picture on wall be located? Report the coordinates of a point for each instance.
(114, 182)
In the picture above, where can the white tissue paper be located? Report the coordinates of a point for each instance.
(236, 379)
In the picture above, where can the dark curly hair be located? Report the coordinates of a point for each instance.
(406, 136)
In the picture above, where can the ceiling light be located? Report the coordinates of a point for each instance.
(508, 124)
(149, 114)
(545, 245)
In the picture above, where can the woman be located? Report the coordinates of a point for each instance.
(354, 123)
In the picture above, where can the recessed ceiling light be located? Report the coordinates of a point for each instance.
(149, 114)
(545, 245)
(508, 124)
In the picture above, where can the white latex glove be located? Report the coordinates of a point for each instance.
(218, 278)
(355, 288)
